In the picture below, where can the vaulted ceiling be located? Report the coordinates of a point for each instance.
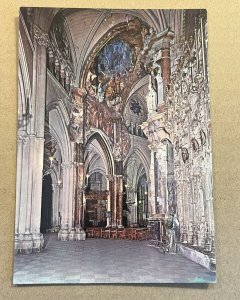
(87, 26)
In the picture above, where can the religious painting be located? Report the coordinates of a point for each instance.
(114, 161)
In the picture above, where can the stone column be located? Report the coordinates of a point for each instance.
(41, 42)
(55, 205)
(152, 183)
(24, 243)
(30, 180)
(162, 183)
(67, 201)
(108, 200)
(21, 141)
(120, 209)
(79, 185)
(114, 210)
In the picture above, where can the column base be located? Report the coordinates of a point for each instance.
(196, 256)
(80, 234)
(28, 243)
(54, 229)
(72, 234)
(63, 234)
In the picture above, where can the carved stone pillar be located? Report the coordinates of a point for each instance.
(39, 87)
(29, 182)
(162, 196)
(79, 184)
(114, 203)
(118, 174)
(21, 141)
(55, 206)
(152, 183)
(66, 222)
(120, 208)
(108, 201)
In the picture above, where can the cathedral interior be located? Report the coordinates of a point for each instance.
(114, 136)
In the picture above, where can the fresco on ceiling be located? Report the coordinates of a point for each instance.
(114, 59)
(113, 67)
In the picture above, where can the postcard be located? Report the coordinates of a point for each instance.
(114, 160)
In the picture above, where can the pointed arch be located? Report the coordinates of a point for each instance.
(104, 143)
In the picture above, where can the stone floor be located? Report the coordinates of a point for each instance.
(105, 261)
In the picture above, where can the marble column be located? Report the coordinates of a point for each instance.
(162, 47)
(165, 59)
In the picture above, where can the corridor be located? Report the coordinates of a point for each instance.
(105, 261)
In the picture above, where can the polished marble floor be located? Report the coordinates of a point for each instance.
(105, 261)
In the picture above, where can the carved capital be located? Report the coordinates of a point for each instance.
(41, 37)
(22, 139)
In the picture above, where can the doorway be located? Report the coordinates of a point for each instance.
(46, 210)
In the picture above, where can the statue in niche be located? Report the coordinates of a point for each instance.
(100, 93)
(195, 144)
(76, 125)
(203, 137)
(126, 143)
(117, 153)
(91, 83)
(185, 155)
(152, 96)
(171, 196)
(177, 146)
(173, 232)
(147, 37)
(144, 32)
(76, 119)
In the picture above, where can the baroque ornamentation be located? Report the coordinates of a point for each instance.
(76, 118)
(41, 37)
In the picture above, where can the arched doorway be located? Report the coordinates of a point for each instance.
(98, 206)
(46, 210)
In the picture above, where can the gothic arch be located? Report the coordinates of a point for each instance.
(102, 139)
(58, 121)
(142, 157)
